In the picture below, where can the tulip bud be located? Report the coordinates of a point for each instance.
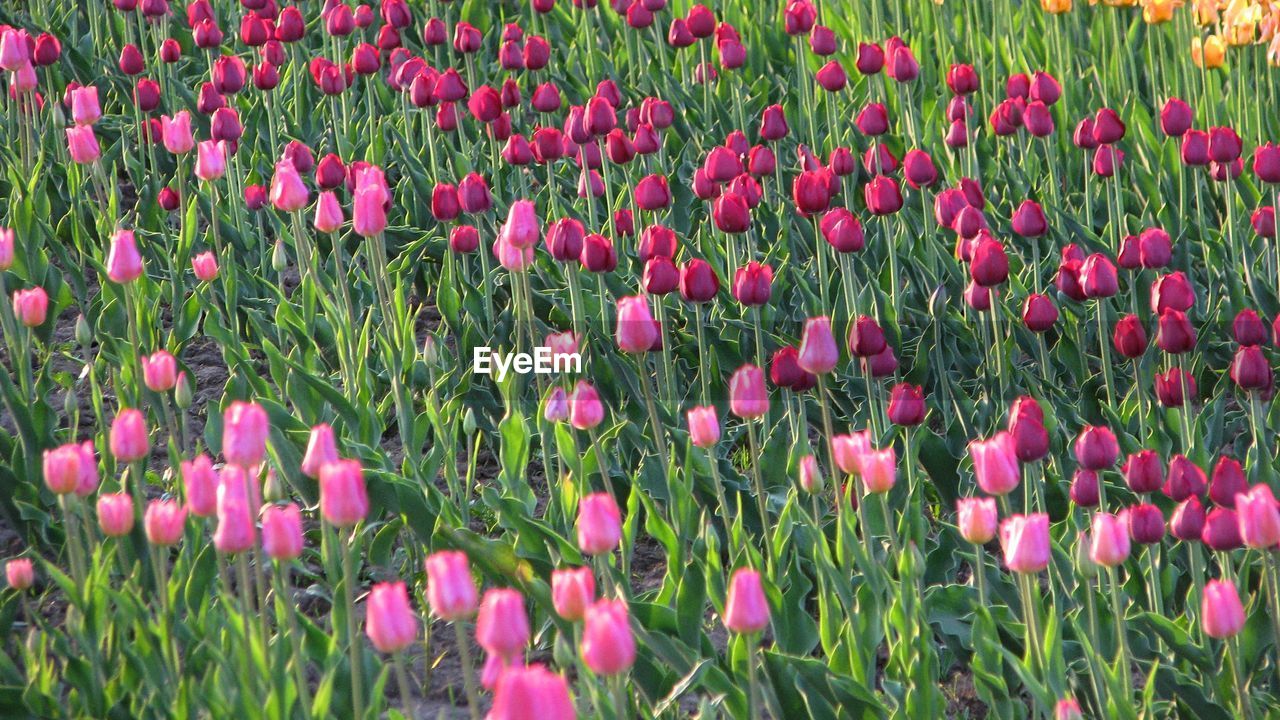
(746, 610)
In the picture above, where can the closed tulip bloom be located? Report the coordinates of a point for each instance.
(608, 644)
(124, 262)
(873, 120)
(599, 524)
(1169, 387)
(810, 475)
(282, 531)
(704, 426)
(1039, 313)
(1221, 530)
(451, 591)
(882, 195)
(1107, 160)
(842, 231)
(1107, 127)
(1037, 119)
(1225, 145)
(1030, 438)
(1227, 482)
(1172, 291)
(1195, 148)
(1029, 220)
(652, 193)
(211, 160)
(573, 590)
(1176, 117)
(660, 277)
(977, 519)
(164, 521)
(1175, 335)
(906, 405)
(811, 192)
(1259, 518)
(637, 331)
(205, 267)
(465, 239)
(746, 609)
(244, 433)
(598, 254)
(1248, 329)
(1025, 540)
(1220, 610)
(390, 623)
(62, 468)
(328, 218)
(919, 169)
(1155, 248)
(1146, 523)
(85, 108)
(1250, 369)
(878, 469)
(1266, 163)
(343, 498)
(200, 486)
(698, 281)
(1143, 471)
(369, 212)
(159, 371)
(524, 693)
(753, 284)
(321, 450)
(19, 573)
(1098, 277)
(585, 408)
(31, 307)
(129, 442)
(866, 339)
(847, 450)
(818, 353)
(1187, 522)
(748, 397)
(990, 265)
(1130, 338)
(502, 626)
(962, 79)
(115, 514)
(522, 228)
(288, 193)
(995, 463)
(1109, 540)
(1082, 136)
(1084, 488)
(1096, 448)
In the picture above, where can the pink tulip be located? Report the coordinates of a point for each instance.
(522, 228)
(31, 307)
(328, 217)
(211, 160)
(451, 591)
(20, 573)
(282, 531)
(599, 524)
(369, 212)
(879, 470)
(746, 610)
(321, 450)
(82, 144)
(1220, 610)
(1259, 518)
(389, 621)
(200, 485)
(124, 262)
(526, 693)
(995, 463)
(704, 426)
(502, 625)
(1109, 539)
(115, 514)
(244, 433)
(62, 468)
(288, 192)
(977, 519)
(573, 590)
(748, 397)
(343, 499)
(205, 266)
(235, 532)
(585, 408)
(159, 371)
(164, 522)
(85, 108)
(129, 441)
(608, 644)
(637, 331)
(1025, 539)
(818, 353)
(176, 133)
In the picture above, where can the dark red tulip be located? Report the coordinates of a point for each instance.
(761, 161)
(1098, 277)
(1037, 119)
(1130, 337)
(1084, 490)
(1130, 255)
(652, 193)
(957, 135)
(1184, 480)
(810, 192)
(702, 22)
(1026, 425)
(977, 297)
(598, 254)
(1143, 471)
(882, 195)
(1176, 117)
(168, 199)
(785, 370)
(1264, 221)
(1187, 522)
(660, 276)
(564, 239)
(1108, 128)
(1222, 530)
(1224, 145)
(1039, 313)
(678, 35)
(832, 77)
(146, 95)
(1045, 88)
(773, 123)
(906, 405)
(866, 339)
(822, 41)
(464, 239)
(1169, 387)
(1222, 172)
(799, 17)
(444, 202)
(473, 194)
(170, 51)
(1029, 220)
(870, 58)
(1082, 137)
(1249, 329)
(1250, 369)
(537, 53)
(1107, 160)
(753, 284)
(698, 281)
(873, 120)
(902, 65)
(1227, 481)
(1096, 447)
(842, 230)
(919, 170)
(1017, 86)
(990, 265)
(1155, 247)
(1172, 291)
(962, 79)
(1146, 523)
(131, 62)
(1195, 148)
(731, 214)
(1266, 163)
(1175, 334)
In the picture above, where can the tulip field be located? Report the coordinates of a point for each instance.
(546, 359)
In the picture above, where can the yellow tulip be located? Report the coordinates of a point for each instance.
(1206, 12)
(1210, 53)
